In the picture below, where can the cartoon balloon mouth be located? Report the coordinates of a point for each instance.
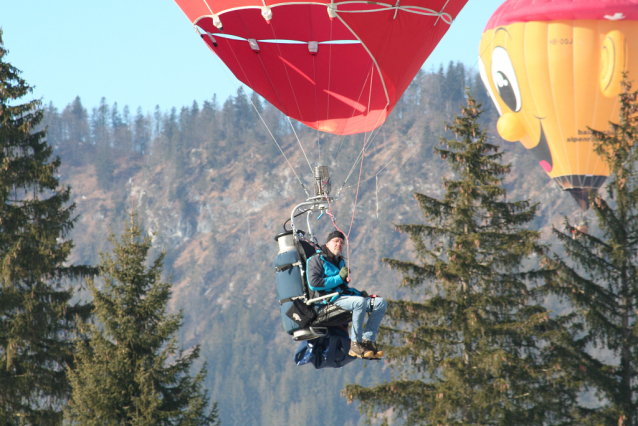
(542, 153)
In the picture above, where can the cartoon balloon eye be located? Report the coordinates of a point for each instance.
(488, 86)
(504, 79)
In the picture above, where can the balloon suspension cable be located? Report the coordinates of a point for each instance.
(376, 175)
(356, 196)
(361, 154)
(343, 185)
(343, 137)
(366, 139)
(377, 193)
(281, 55)
(278, 146)
(334, 223)
(376, 133)
(264, 122)
(354, 165)
(398, 152)
(367, 142)
(300, 145)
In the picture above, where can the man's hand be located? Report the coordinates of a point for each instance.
(343, 273)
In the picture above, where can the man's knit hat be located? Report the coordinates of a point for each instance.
(335, 234)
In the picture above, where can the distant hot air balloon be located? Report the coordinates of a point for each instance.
(336, 66)
(553, 68)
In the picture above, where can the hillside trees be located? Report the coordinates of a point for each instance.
(102, 130)
(36, 316)
(108, 135)
(474, 346)
(601, 277)
(141, 132)
(129, 369)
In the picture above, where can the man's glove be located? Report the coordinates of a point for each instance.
(364, 293)
(343, 273)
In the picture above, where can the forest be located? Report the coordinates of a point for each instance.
(169, 217)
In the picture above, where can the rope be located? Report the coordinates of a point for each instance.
(363, 86)
(368, 139)
(301, 146)
(334, 223)
(280, 150)
(329, 71)
(380, 170)
(281, 55)
(354, 165)
(377, 193)
(365, 141)
(354, 210)
(378, 129)
(332, 218)
(356, 196)
(292, 88)
(446, 17)
(314, 69)
(441, 15)
(262, 119)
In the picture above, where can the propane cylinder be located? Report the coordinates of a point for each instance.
(289, 282)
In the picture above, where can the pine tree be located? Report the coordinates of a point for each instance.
(129, 369)
(472, 346)
(602, 278)
(141, 132)
(36, 318)
(102, 139)
(75, 143)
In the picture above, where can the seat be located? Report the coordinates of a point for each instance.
(328, 314)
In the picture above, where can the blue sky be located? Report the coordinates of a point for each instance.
(146, 53)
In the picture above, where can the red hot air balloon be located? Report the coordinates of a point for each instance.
(336, 66)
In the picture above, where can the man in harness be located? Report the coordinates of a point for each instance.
(327, 273)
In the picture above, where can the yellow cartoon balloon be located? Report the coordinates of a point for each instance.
(553, 68)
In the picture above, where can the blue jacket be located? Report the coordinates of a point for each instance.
(324, 278)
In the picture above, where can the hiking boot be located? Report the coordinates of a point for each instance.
(357, 349)
(371, 351)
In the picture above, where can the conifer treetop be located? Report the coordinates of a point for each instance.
(599, 274)
(37, 318)
(130, 369)
(471, 346)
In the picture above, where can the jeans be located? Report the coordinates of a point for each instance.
(359, 306)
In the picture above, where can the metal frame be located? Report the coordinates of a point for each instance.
(317, 299)
(311, 205)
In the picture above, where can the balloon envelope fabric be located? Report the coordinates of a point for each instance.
(336, 66)
(553, 69)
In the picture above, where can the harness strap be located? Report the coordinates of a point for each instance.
(372, 297)
(286, 267)
(289, 299)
